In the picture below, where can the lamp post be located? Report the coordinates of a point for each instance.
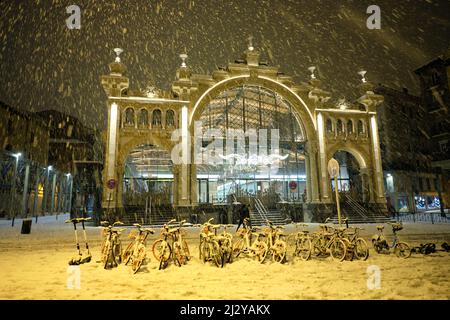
(13, 188)
(333, 170)
(44, 205)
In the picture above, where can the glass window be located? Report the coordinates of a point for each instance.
(156, 119)
(129, 117)
(170, 118)
(143, 117)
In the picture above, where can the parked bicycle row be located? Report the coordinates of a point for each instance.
(219, 246)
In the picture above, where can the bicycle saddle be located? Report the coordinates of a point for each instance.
(137, 225)
(171, 230)
(84, 219)
(148, 230)
(380, 228)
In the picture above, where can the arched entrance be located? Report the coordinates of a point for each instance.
(349, 179)
(147, 179)
(273, 171)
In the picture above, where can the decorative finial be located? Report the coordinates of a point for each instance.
(118, 51)
(312, 69)
(342, 104)
(250, 43)
(183, 57)
(362, 74)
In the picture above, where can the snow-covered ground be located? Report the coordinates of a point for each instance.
(35, 266)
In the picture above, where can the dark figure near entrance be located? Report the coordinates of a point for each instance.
(223, 216)
(244, 213)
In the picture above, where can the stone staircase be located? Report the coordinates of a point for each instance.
(156, 217)
(356, 213)
(260, 214)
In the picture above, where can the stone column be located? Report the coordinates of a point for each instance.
(323, 174)
(308, 178)
(376, 159)
(111, 154)
(314, 173)
(25, 191)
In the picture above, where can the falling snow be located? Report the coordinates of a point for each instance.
(44, 65)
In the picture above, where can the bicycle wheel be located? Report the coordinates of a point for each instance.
(304, 248)
(158, 247)
(292, 244)
(338, 250)
(107, 255)
(318, 246)
(117, 248)
(376, 246)
(162, 251)
(177, 255)
(238, 246)
(204, 251)
(138, 259)
(279, 254)
(350, 249)
(216, 254)
(186, 253)
(261, 250)
(228, 252)
(126, 256)
(361, 250)
(402, 250)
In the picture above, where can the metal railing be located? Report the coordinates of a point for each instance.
(360, 210)
(434, 217)
(262, 211)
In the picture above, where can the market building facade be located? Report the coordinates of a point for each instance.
(248, 96)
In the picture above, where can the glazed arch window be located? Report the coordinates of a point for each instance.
(339, 127)
(170, 118)
(329, 126)
(349, 126)
(129, 117)
(156, 118)
(360, 127)
(143, 118)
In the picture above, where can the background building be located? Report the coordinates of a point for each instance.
(435, 94)
(59, 166)
(411, 183)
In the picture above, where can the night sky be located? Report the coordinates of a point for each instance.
(45, 65)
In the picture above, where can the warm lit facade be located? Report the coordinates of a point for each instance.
(246, 95)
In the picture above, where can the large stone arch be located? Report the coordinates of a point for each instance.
(125, 146)
(305, 116)
(301, 111)
(365, 165)
(360, 155)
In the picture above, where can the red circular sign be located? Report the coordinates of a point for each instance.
(293, 185)
(111, 184)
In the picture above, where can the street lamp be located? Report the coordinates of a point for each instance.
(44, 206)
(333, 170)
(13, 188)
